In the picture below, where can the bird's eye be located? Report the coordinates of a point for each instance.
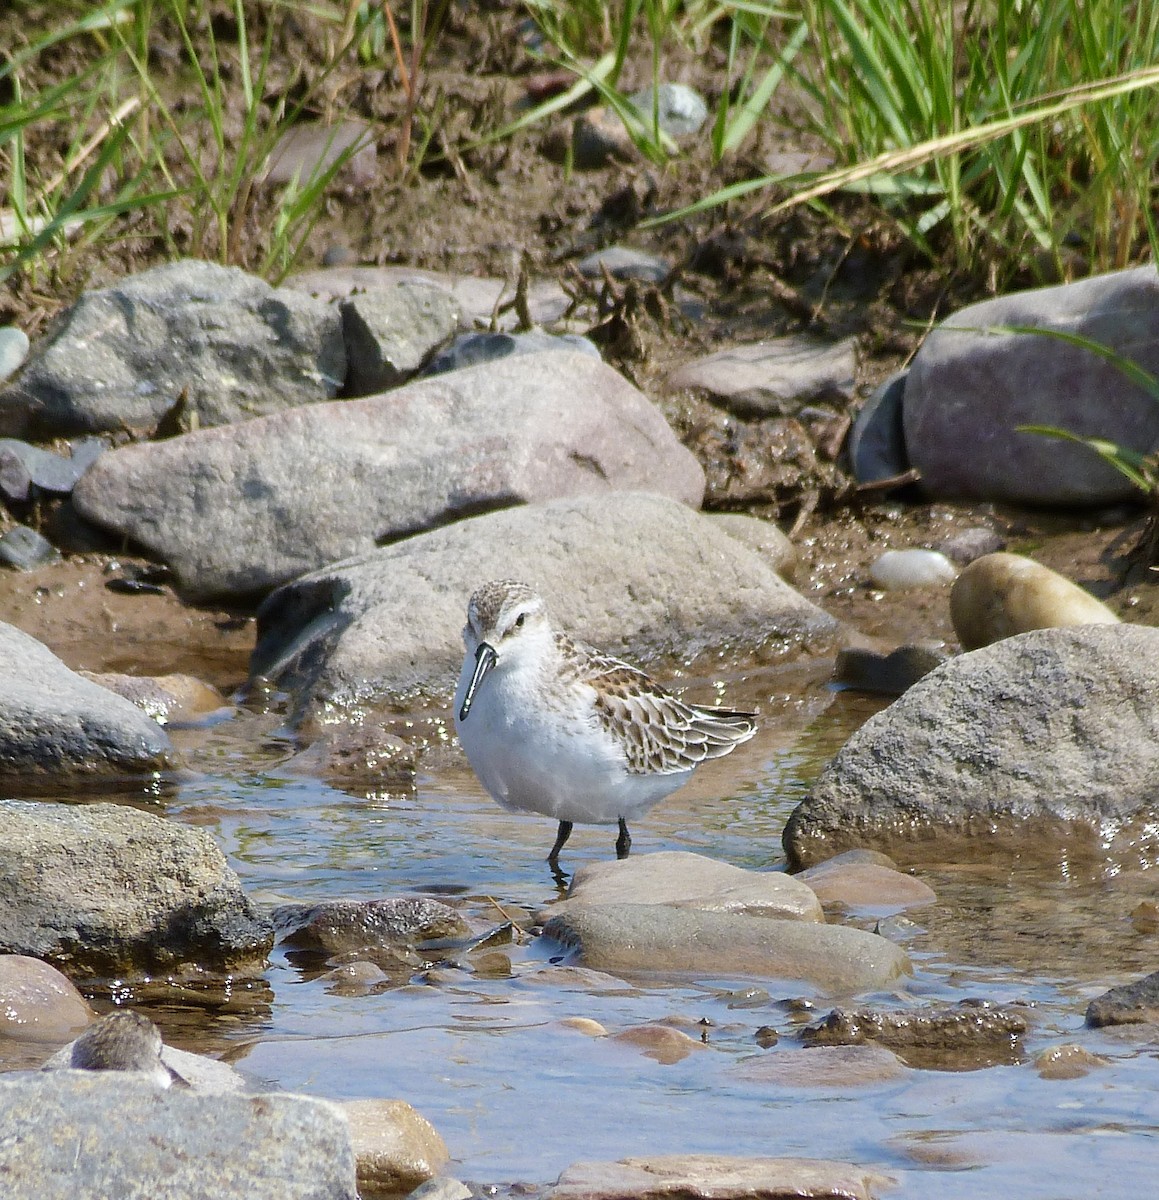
(519, 620)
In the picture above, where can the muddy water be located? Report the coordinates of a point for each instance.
(475, 1041)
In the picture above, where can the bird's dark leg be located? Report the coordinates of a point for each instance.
(564, 834)
(624, 841)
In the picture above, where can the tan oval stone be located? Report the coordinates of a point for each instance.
(660, 1042)
(396, 1148)
(584, 1025)
(823, 1067)
(1000, 595)
(765, 537)
(867, 886)
(1067, 1062)
(37, 1002)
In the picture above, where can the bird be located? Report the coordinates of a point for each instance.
(554, 726)
(122, 1041)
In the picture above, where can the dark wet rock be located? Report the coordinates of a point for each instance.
(141, 1141)
(479, 299)
(1054, 734)
(24, 549)
(965, 1036)
(241, 509)
(391, 332)
(222, 344)
(765, 538)
(110, 891)
(346, 926)
(662, 940)
(679, 110)
(900, 570)
(1131, 1004)
(866, 887)
(684, 880)
(58, 728)
(307, 150)
(876, 444)
(622, 262)
(364, 755)
(1000, 595)
(37, 1002)
(823, 1067)
(969, 544)
(481, 346)
(24, 467)
(598, 137)
(13, 350)
(396, 1148)
(772, 378)
(889, 674)
(386, 626)
(126, 1040)
(719, 1177)
(168, 699)
(968, 391)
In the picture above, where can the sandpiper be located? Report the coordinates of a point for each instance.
(554, 726)
(123, 1040)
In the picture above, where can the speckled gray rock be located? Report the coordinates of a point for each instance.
(1054, 733)
(226, 342)
(391, 332)
(107, 890)
(57, 728)
(24, 549)
(1134, 1003)
(718, 1177)
(967, 391)
(640, 576)
(92, 1135)
(241, 509)
(13, 350)
(660, 940)
(764, 537)
(24, 467)
(772, 378)
(481, 346)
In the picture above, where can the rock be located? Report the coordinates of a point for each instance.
(13, 350)
(899, 570)
(306, 151)
(88, 1135)
(966, 545)
(1131, 1004)
(890, 674)
(665, 941)
(441, 1188)
(167, 699)
(868, 887)
(222, 344)
(25, 550)
(661, 1043)
(478, 299)
(765, 537)
(876, 443)
(944, 1037)
(125, 1040)
(391, 332)
(241, 509)
(359, 756)
(718, 1177)
(396, 1149)
(481, 346)
(1067, 1062)
(24, 467)
(1053, 733)
(1000, 595)
(110, 891)
(640, 576)
(679, 110)
(38, 1003)
(772, 378)
(683, 880)
(585, 1025)
(840, 1067)
(598, 137)
(968, 391)
(623, 263)
(349, 926)
(57, 728)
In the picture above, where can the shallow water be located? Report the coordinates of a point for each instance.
(476, 1044)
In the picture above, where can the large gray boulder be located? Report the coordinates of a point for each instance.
(640, 576)
(59, 729)
(967, 392)
(241, 509)
(106, 890)
(1053, 734)
(223, 343)
(92, 1135)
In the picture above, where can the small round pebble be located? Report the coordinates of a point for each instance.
(897, 570)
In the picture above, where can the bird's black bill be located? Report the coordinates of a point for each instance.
(484, 660)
